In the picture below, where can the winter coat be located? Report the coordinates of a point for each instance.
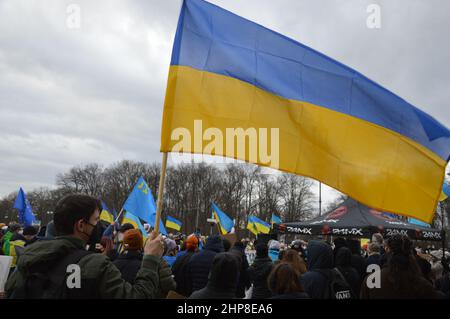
(244, 278)
(223, 278)
(129, 263)
(181, 275)
(343, 264)
(103, 277)
(200, 264)
(320, 256)
(259, 271)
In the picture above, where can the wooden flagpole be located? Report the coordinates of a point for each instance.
(159, 202)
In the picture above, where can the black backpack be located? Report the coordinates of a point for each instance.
(51, 283)
(337, 286)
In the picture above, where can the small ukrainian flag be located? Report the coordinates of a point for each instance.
(173, 223)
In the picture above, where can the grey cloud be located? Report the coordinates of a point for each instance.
(71, 96)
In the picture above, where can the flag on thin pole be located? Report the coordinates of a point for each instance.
(334, 124)
(141, 204)
(276, 219)
(225, 223)
(26, 216)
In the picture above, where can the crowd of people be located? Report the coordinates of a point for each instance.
(117, 261)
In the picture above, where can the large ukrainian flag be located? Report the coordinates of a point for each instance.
(335, 125)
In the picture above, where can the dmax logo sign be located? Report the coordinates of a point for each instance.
(306, 231)
(347, 231)
(392, 232)
(431, 235)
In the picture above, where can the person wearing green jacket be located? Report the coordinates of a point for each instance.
(75, 219)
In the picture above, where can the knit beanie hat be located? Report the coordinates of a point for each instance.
(133, 240)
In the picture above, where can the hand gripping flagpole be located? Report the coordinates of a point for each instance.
(162, 180)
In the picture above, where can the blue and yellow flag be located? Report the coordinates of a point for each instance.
(141, 204)
(133, 220)
(225, 222)
(334, 124)
(106, 215)
(261, 225)
(276, 219)
(252, 227)
(173, 223)
(26, 216)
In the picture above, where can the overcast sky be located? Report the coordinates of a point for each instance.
(71, 96)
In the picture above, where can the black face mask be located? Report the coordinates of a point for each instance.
(95, 236)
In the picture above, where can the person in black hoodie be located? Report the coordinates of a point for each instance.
(200, 264)
(343, 263)
(358, 261)
(222, 279)
(320, 257)
(244, 280)
(259, 271)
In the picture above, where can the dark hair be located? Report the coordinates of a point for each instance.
(71, 209)
(226, 244)
(402, 265)
(283, 279)
(239, 244)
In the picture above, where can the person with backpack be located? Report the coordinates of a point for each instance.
(343, 264)
(43, 270)
(322, 281)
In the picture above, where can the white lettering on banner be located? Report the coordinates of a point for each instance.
(392, 232)
(299, 230)
(347, 231)
(431, 235)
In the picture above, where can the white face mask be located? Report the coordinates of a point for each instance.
(120, 237)
(20, 232)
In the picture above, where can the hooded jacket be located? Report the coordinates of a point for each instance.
(259, 272)
(96, 269)
(200, 264)
(343, 262)
(244, 279)
(320, 256)
(223, 279)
